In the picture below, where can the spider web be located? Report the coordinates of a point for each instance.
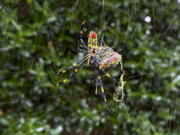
(121, 88)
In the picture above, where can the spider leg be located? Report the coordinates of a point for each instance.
(108, 75)
(50, 80)
(82, 43)
(75, 67)
(97, 81)
(99, 84)
(81, 35)
(55, 71)
(81, 50)
(101, 88)
(54, 68)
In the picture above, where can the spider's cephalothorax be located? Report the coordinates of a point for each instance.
(92, 40)
(96, 54)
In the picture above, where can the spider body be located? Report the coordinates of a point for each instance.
(97, 55)
(101, 56)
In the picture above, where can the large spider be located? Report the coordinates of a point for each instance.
(98, 55)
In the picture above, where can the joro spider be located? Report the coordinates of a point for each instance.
(97, 55)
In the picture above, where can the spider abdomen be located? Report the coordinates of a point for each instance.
(110, 61)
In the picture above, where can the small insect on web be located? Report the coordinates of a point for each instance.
(100, 57)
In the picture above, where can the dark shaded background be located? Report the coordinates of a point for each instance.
(35, 33)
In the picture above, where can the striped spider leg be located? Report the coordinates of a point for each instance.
(73, 69)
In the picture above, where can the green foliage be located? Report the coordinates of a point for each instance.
(35, 33)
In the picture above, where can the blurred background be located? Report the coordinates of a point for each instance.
(35, 33)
